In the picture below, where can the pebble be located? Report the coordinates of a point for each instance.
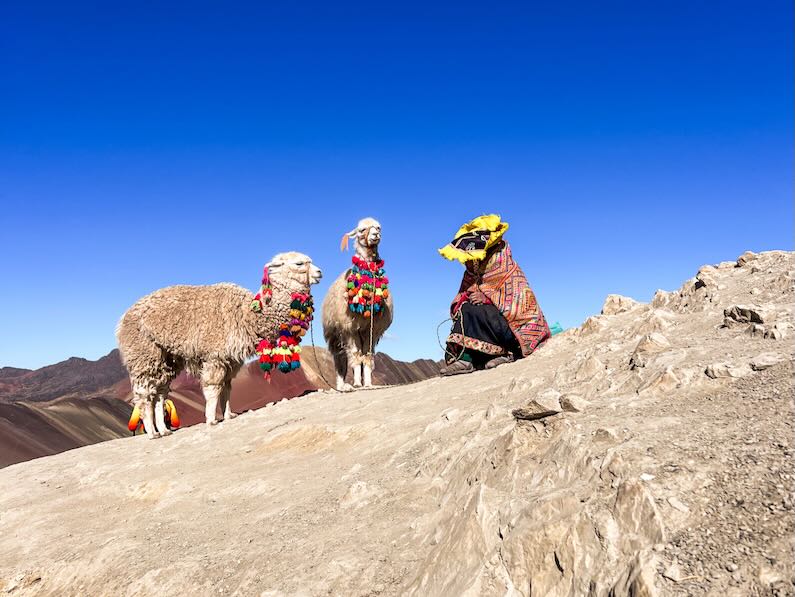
(673, 572)
(677, 504)
(732, 567)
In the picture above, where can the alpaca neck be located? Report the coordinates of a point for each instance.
(367, 253)
(282, 294)
(275, 311)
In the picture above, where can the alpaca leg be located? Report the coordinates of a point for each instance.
(212, 394)
(144, 399)
(149, 419)
(226, 401)
(340, 356)
(160, 412)
(359, 359)
(357, 372)
(367, 366)
(213, 378)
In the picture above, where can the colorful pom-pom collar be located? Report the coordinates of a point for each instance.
(367, 287)
(284, 353)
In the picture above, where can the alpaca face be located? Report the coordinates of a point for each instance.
(293, 268)
(368, 232)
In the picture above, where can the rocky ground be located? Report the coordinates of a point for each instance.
(648, 452)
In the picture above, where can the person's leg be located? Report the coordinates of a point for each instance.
(468, 336)
(459, 366)
(500, 360)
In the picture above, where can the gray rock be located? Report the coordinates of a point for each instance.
(591, 325)
(605, 434)
(774, 334)
(766, 360)
(744, 314)
(649, 344)
(746, 258)
(778, 332)
(665, 381)
(589, 368)
(615, 303)
(545, 404)
(719, 370)
(754, 330)
(661, 299)
(677, 504)
(573, 403)
(673, 572)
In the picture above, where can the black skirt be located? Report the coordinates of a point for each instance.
(484, 332)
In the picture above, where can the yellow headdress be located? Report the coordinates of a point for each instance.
(474, 239)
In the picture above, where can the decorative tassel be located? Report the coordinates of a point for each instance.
(284, 352)
(367, 286)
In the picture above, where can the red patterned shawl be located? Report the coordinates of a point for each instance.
(505, 285)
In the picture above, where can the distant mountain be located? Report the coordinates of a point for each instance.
(79, 402)
(73, 377)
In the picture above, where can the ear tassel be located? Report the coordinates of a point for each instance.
(345, 239)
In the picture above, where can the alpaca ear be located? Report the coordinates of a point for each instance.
(345, 238)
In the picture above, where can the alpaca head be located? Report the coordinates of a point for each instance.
(367, 234)
(294, 271)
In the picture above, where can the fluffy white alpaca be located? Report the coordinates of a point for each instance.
(347, 333)
(208, 330)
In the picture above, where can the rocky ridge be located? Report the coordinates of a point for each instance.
(647, 452)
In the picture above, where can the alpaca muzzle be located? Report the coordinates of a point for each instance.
(314, 274)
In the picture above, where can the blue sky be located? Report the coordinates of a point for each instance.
(143, 145)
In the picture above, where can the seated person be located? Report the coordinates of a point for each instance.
(496, 318)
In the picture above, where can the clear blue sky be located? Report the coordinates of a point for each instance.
(149, 144)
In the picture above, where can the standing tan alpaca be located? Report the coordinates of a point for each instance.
(348, 332)
(208, 330)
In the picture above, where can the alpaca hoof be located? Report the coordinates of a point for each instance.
(154, 435)
(345, 388)
(212, 422)
(230, 416)
(166, 433)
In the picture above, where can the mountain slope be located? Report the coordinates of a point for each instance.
(668, 474)
(73, 377)
(79, 402)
